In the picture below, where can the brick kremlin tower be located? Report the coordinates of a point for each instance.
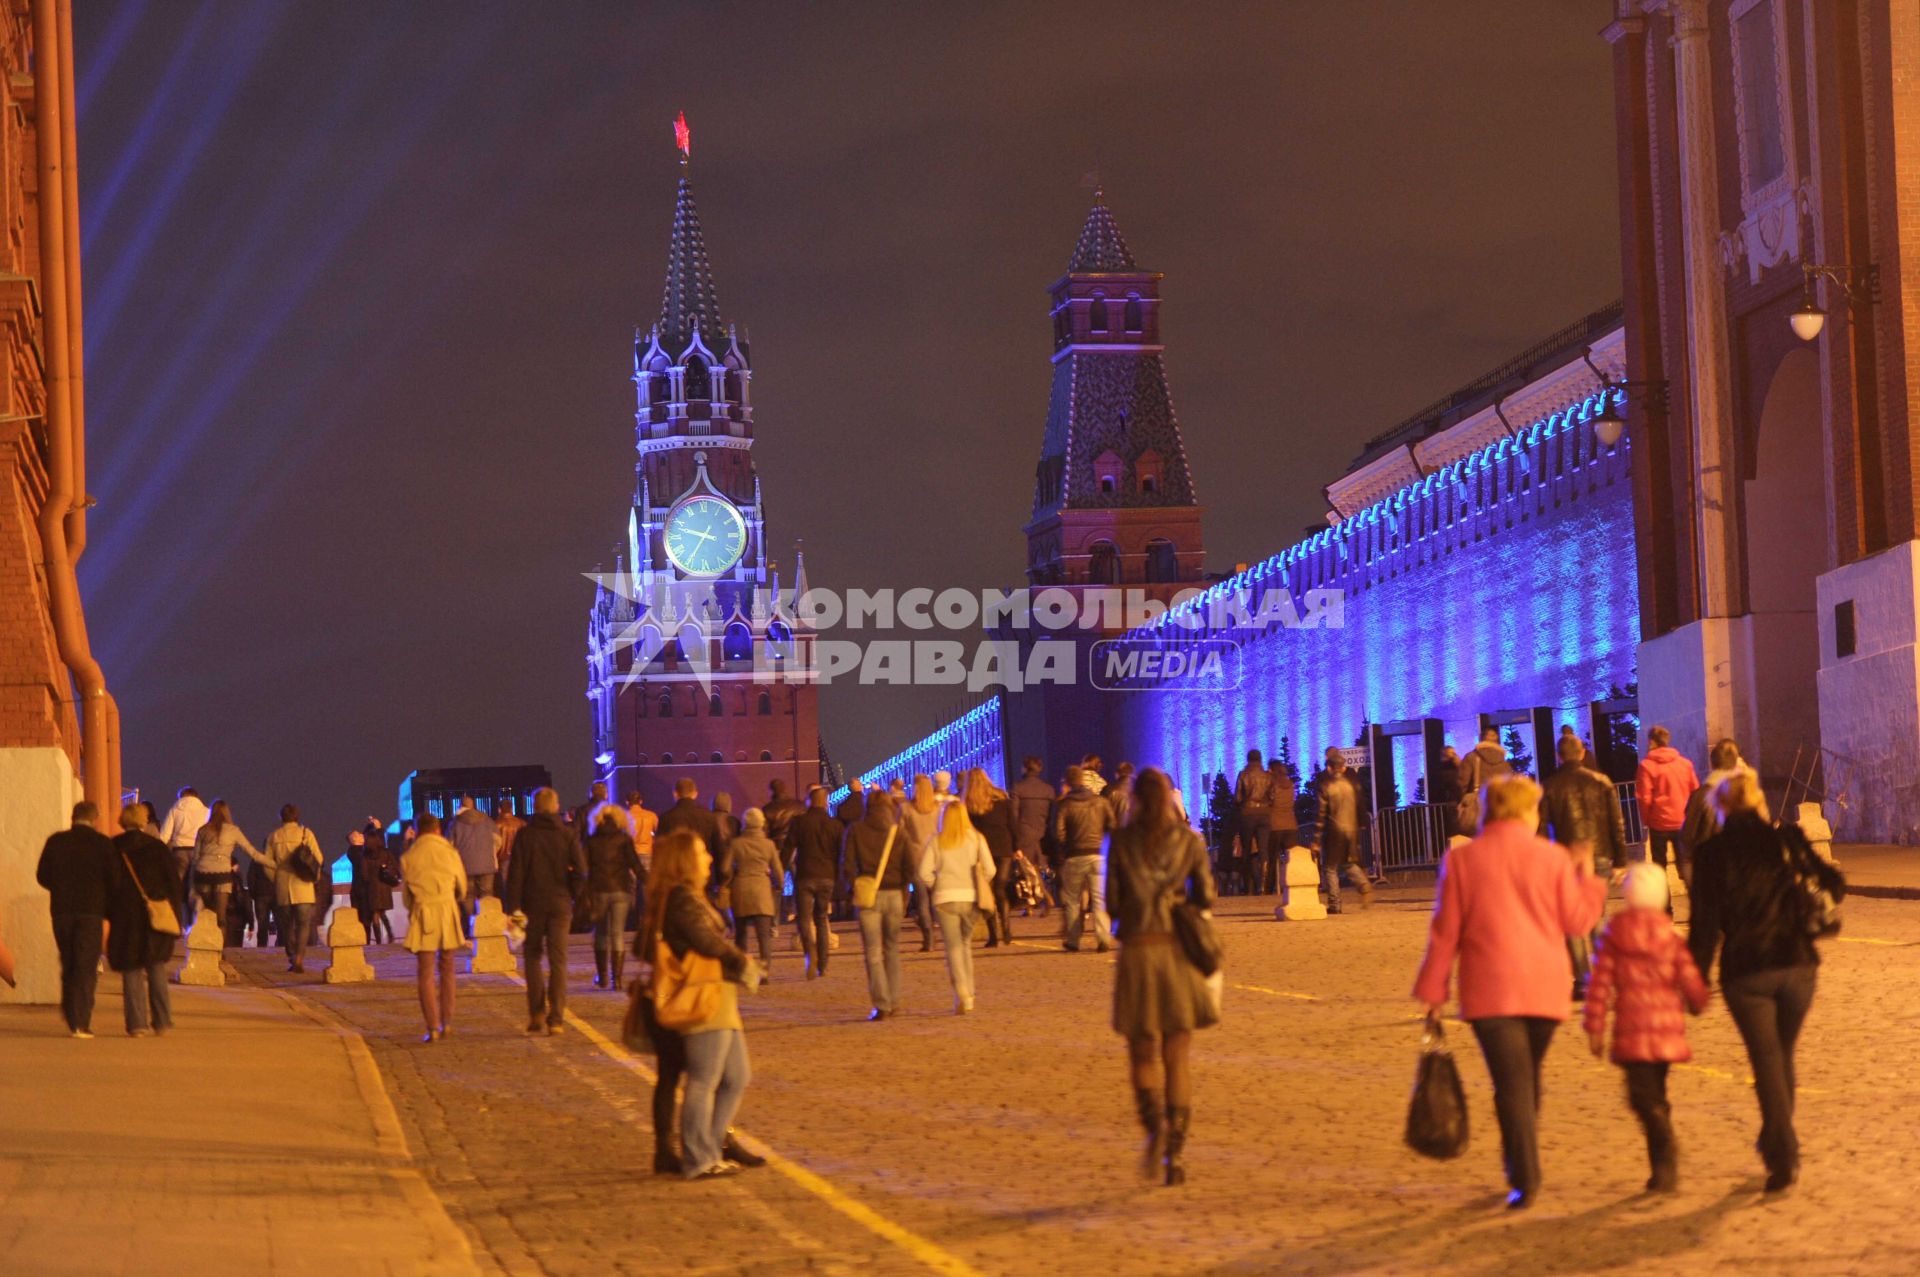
(1113, 500)
(697, 661)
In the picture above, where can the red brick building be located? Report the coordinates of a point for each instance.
(1769, 157)
(46, 668)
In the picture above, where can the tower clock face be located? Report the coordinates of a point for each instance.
(705, 536)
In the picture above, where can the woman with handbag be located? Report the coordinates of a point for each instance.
(875, 864)
(144, 907)
(957, 870)
(1507, 903)
(693, 985)
(1157, 867)
(1761, 896)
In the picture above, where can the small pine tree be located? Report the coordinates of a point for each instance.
(1285, 758)
(1517, 756)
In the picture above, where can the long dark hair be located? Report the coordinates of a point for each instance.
(1153, 806)
(676, 863)
(219, 815)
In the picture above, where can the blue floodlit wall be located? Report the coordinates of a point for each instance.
(972, 740)
(1503, 581)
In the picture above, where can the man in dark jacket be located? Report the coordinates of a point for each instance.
(1580, 810)
(854, 805)
(1081, 822)
(73, 868)
(814, 857)
(546, 870)
(1032, 808)
(1253, 801)
(687, 813)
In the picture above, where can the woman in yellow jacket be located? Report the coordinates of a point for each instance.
(435, 883)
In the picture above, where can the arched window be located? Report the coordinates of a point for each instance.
(739, 755)
(1133, 313)
(657, 388)
(697, 383)
(735, 386)
(737, 643)
(639, 760)
(717, 757)
(666, 710)
(766, 755)
(1163, 564)
(646, 645)
(1097, 314)
(1103, 564)
(714, 707)
(665, 759)
(766, 703)
(779, 640)
(693, 645)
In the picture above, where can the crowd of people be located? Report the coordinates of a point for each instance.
(1519, 909)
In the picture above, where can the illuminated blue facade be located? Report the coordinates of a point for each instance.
(1503, 581)
(975, 739)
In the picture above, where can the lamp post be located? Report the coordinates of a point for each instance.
(1857, 283)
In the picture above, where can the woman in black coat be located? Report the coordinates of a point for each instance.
(992, 813)
(1750, 904)
(142, 870)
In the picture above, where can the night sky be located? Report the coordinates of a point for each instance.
(362, 280)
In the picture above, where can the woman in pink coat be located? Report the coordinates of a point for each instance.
(1508, 901)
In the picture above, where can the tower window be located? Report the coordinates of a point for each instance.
(1103, 564)
(666, 710)
(665, 759)
(1163, 562)
(1106, 483)
(766, 703)
(1133, 314)
(696, 381)
(714, 707)
(766, 755)
(1149, 484)
(717, 757)
(737, 643)
(1097, 314)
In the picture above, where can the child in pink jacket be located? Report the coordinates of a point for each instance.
(1645, 975)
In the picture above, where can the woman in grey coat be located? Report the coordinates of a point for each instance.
(753, 883)
(1159, 998)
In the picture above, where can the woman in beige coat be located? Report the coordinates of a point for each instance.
(435, 883)
(753, 882)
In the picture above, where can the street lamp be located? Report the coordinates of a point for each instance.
(1610, 426)
(1858, 283)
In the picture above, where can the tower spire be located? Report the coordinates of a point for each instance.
(689, 300)
(1101, 250)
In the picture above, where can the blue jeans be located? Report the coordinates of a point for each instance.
(880, 937)
(149, 1003)
(1083, 875)
(1336, 854)
(956, 933)
(609, 922)
(717, 1077)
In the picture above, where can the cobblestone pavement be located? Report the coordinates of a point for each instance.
(1003, 1142)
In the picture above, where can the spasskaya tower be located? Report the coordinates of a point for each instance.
(698, 663)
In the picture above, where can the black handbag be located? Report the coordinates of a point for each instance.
(1437, 1114)
(1198, 940)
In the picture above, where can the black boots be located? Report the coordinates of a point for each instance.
(599, 970)
(1177, 1119)
(1153, 1119)
(1662, 1155)
(619, 969)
